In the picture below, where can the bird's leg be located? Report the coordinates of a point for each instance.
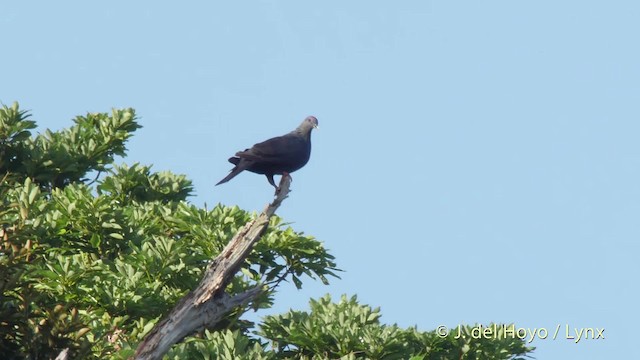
(273, 183)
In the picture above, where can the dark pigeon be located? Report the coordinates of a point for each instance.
(280, 155)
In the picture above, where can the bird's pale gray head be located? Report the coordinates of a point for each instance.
(310, 122)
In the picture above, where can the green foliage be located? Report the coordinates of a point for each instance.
(14, 131)
(56, 159)
(138, 183)
(93, 265)
(93, 268)
(223, 345)
(348, 330)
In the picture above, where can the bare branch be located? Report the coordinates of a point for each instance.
(205, 306)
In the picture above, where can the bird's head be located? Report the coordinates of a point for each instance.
(311, 122)
(308, 124)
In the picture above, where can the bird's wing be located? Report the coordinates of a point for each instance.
(273, 149)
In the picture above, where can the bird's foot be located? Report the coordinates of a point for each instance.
(279, 188)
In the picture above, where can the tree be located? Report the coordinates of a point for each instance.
(94, 254)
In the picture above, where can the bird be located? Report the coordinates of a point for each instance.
(280, 155)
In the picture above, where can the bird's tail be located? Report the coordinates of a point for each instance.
(239, 167)
(235, 171)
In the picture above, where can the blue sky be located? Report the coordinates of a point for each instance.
(476, 162)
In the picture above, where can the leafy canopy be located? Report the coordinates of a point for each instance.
(92, 266)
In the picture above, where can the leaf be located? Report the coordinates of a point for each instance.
(33, 193)
(297, 282)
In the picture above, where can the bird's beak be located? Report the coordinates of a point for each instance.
(316, 127)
